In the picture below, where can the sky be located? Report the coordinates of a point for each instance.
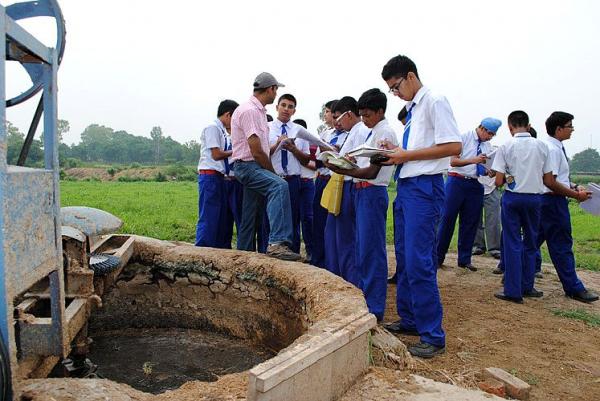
(132, 64)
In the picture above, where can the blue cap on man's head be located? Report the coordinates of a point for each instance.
(491, 124)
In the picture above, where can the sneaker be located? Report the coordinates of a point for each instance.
(424, 350)
(533, 294)
(397, 328)
(280, 251)
(497, 270)
(469, 267)
(495, 254)
(584, 296)
(477, 251)
(539, 275)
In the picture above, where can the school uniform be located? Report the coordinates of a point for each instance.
(288, 167)
(371, 204)
(307, 195)
(340, 230)
(464, 197)
(212, 197)
(524, 161)
(417, 210)
(555, 224)
(488, 231)
(234, 194)
(332, 137)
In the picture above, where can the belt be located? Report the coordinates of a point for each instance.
(289, 177)
(229, 178)
(209, 172)
(306, 179)
(362, 184)
(324, 177)
(464, 177)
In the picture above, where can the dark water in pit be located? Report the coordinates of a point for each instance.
(156, 360)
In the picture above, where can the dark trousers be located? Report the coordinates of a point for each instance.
(555, 229)
(520, 222)
(417, 210)
(319, 220)
(371, 205)
(307, 195)
(465, 198)
(212, 207)
(233, 215)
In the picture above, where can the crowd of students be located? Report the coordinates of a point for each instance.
(264, 177)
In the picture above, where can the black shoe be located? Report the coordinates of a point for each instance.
(500, 295)
(533, 294)
(539, 275)
(397, 328)
(393, 279)
(469, 266)
(497, 270)
(584, 296)
(424, 350)
(477, 251)
(495, 254)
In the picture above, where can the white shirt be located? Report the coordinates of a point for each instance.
(525, 159)
(213, 136)
(489, 184)
(380, 132)
(432, 123)
(558, 162)
(470, 140)
(328, 136)
(356, 137)
(293, 166)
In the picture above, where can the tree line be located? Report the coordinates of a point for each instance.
(101, 144)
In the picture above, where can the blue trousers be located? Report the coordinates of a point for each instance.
(465, 198)
(371, 205)
(293, 182)
(340, 237)
(520, 221)
(307, 195)
(555, 229)
(417, 210)
(260, 184)
(235, 194)
(212, 208)
(319, 220)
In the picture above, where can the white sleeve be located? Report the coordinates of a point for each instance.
(499, 161)
(213, 137)
(550, 163)
(445, 128)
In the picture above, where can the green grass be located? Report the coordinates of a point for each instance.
(589, 318)
(169, 210)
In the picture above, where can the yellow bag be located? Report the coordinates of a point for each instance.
(332, 194)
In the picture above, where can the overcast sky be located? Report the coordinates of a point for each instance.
(133, 64)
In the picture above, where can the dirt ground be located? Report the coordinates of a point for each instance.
(559, 357)
(100, 173)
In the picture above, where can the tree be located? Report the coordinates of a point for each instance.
(15, 140)
(157, 136)
(587, 161)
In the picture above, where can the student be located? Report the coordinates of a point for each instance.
(488, 230)
(253, 168)
(213, 164)
(464, 193)
(523, 163)
(234, 194)
(371, 203)
(307, 195)
(334, 137)
(430, 137)
(340, 230)
(555, 226)
(288, 155)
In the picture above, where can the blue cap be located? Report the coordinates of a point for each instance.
(491, 124)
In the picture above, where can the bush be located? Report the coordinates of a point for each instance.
(111, 171)
(160, 177)
(71, 162)
(134, 165)
(128, 178)
(62, 174)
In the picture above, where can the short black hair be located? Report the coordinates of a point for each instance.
(347, 103)
(373, 99)
(301, 122)
(227, 106)
(532, 132)
(398, 67)
(403, 114)
(288, 96)
(262, 90)
(330, 104)
(269, 118)
(518, 119)
(556, 120)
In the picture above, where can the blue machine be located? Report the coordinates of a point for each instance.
(30, 238)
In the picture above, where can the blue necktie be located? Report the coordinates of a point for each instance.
(480, 168)
(368, 136)
(334, 140)
(404, 139)
(284, 153)
(226, 160)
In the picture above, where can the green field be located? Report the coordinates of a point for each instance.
(169, 210)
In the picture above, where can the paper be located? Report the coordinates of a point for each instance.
(337, 160)
(592, 205)
(368, 151)
(315, 140)
(490, 159)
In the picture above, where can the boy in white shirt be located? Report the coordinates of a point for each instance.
(523, 164)
(430, 137)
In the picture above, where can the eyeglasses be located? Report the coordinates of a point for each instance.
(396, 87)
(568, 126)
(337, 120)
